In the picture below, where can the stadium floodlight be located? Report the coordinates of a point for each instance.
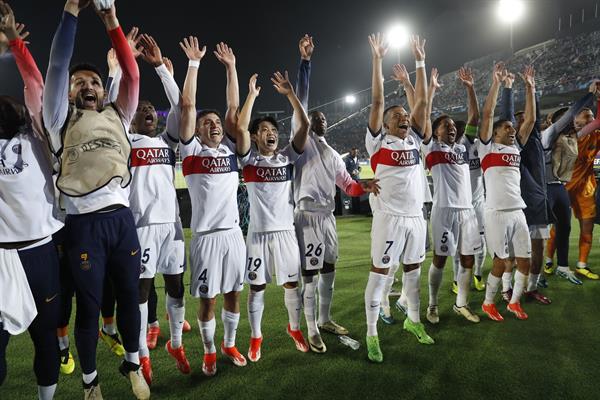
(350, 99)
(397, 36)
(510, 11)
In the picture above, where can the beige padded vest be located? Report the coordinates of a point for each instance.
(564, 156)
(95, 151)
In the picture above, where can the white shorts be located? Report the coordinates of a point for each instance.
(396, 238)
(163, 250)
(507, 235)
(455, 229)
(539, 232)
(479, 207)
(272, 254)
(217, 263)
(317, 238)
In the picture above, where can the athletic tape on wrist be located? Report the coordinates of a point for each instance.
(194, 63)
(420, 64)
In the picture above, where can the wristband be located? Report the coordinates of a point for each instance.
(420, 64)
(194, 64)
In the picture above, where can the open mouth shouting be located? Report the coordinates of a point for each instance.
(89, 99)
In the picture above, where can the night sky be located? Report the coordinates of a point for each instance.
(264, 36)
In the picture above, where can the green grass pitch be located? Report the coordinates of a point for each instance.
(553, 355)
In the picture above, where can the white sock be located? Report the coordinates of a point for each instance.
(464, 284)
(46, 392)
(154, 324)
(133, 357)
(491, 288)
(111, 329)
(230, 324)
(532, 282)
(391, 277)
(176, 311)
(373, 293)
(480, 259)
(412, 279)
(455, 265)
(403, 300)
(326, 284)
(63, 342)
(520, 283)
(256, 306)
(581, 264)
(293, 303)
(435, 281)
(207, 331)
(506, 281)
(309, 293)
(88, 378)
(144, 352)
(563, 269)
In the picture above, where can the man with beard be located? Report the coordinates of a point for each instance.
(91, 142)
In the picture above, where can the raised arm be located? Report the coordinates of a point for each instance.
(433, 86)
(243, 142)
(192, 50)
(306, 47)
(378, 51)
(418, 115)
(487, 121)
(594, 125)
(465, 75)
(400, 74)
(129, 87)
(56, 90)
(528, 123)
(300, 121)
(225, 55)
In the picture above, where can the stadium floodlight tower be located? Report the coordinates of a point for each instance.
(510, 11)
(350, 99)
(397, 37)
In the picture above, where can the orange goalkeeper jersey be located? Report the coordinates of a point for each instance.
(583, 173)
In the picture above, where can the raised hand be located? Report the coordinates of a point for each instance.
(103, 4)
(434, 83)
(192, 49)
(465, 75)
(306, 47)
(282, 84)
(417, 45)
(8, 24)
(80, 4)
(595, 87)
(528, 76)
(112, 61)
(400, 73)
(20, 29)
(225, 55)
(169, 65)
(253, 90)
(150, 51)
(378, 46)
(371, 186)
(133, 38)
(500, 73)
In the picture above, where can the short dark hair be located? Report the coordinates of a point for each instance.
(389, 108)
(499, 123)
(13, 115)
(558, 113)
(256, 122)
(85, 67)
(207, 111)
(436, 122)
(460, 124)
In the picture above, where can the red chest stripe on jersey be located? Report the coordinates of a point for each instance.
(395, 158)
(147, 156)
(445, 157)
(209, 165)
(253, 173)
(500, 160)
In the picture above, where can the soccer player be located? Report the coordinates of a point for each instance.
(499, 151)
(29, 284)
(467, 135)
(91, 141)
(217, 250)
(398, 233)
(582, 186)
(318, 171)
(533, 192)
(453, 220)
(272, 247)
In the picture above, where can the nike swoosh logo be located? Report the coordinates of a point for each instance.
(137, 140)
(374, 305)
(291, 276)
(49, 299)
(134, 252)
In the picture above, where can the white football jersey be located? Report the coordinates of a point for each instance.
(269, 183)
(477, 186)
(26, 190)
(500, 165)
(449, 166)
(396, 163)
(212, 179)
(152, 196)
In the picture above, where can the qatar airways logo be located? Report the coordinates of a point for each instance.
(272, 173)
(209, 165)
(216, 164)
(455, 158)
(268, 174)
(405, 158)
(152, 156)
(512, 160)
